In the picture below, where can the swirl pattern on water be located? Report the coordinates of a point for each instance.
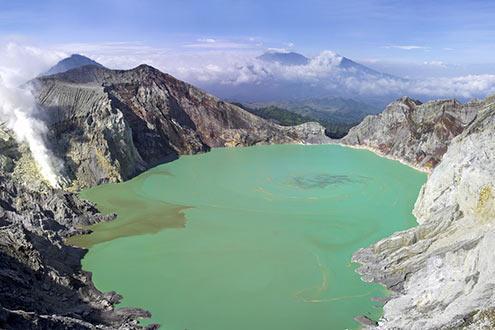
(251, 238)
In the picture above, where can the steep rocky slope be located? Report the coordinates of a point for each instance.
(42, 285)
(110, 125)
(442, 272)
(415, 133)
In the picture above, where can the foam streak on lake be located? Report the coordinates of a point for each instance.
(250, 238)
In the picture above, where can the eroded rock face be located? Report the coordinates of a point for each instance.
(417, 134)
(42, 285)
(443, 271)
(110, 125)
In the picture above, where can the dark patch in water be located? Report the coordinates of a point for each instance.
(323, 180)
(136, 214)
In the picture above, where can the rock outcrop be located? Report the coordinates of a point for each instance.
(110, 125)
(442, 272)
(42, 285)
(415, 133)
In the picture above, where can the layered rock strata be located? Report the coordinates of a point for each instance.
(42, 285)
(442, 272)
(415, 133)
(110, 125)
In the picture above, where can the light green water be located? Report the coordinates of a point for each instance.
(250, 238)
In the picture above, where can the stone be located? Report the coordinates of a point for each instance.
(442, 272)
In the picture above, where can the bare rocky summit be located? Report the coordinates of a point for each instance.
(109, 125)
(442, 272)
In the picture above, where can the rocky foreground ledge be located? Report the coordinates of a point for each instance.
(442, 272)
(42, 285)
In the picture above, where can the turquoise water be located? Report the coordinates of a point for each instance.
(250, 238)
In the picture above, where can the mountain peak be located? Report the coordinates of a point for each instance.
(284, 57)
(71, 62)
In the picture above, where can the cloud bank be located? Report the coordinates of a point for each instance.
(212, 63)
(325, 72)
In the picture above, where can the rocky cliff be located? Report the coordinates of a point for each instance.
(415, 133)
(109, 125)
(442, 272)
(42, 285)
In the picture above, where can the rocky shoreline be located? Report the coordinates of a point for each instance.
(440, 272)
(42, 285)
(378, 152)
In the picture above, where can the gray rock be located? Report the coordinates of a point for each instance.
(443, 270)
(110, 125)
(417, 134)
(42, 285)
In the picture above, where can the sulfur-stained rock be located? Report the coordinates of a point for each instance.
(443, 271)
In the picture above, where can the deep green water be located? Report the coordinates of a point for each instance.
(250, 238)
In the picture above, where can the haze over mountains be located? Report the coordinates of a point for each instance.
(279, 76)
(284, 58)
(281, 85)
(336, 113)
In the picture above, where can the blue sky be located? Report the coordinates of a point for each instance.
(401, 37)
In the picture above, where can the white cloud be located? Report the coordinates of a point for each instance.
(435, 63)
(464, 86)
(277, 50)
(324, 72)
(210, 43)
(234, 67)
(408, 47)
(207, 40)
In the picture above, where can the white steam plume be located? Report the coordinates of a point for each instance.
(18, 110)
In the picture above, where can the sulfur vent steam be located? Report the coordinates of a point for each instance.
(17, 111)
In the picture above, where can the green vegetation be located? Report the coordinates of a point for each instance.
(335, 128)
(279, 115)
